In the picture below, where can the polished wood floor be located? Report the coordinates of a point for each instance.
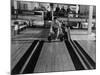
(54, 57)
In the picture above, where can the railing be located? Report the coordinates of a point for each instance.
(76, 19)
(18, 26)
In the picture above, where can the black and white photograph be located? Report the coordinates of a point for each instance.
(52, 37)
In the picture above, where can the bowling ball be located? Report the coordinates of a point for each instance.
(51, 36)
(61, 37)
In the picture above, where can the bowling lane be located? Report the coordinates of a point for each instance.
(18, 48)
(54, 57)
(89, 46)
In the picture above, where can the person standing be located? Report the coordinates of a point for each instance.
(16, 28)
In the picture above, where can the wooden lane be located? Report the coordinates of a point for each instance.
(15, 45)
(54, 57)
(18, 48)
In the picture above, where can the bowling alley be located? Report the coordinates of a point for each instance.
(52, 37)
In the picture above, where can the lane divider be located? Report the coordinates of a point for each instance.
(90, 61)
(33, 60)
(77, 53)
(76, 61)
(74, 55)
(21, 62)
(85, 62)
(24, 66)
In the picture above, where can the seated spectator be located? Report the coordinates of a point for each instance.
(68, 10)
(57, 9)
(62, 12)
(49, 15)
(62, 9)
(56, 13)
